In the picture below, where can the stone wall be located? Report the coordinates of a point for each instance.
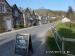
(2, 22)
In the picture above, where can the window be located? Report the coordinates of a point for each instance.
(16, 13)
(1, 9)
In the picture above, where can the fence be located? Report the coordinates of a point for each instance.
(57, 38)
(60, 40)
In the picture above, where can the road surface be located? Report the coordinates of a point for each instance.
(7, 40)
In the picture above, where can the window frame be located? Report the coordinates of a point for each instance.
(1, 9)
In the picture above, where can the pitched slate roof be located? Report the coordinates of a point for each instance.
(8, 4)
(15, 7)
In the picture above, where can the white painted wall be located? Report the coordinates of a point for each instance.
(8, 23)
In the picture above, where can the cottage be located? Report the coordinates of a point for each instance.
(27, 17)
(30, 17)
(5, 16)
(44, 19)
(35, 18)
(17, 17)
(65, 19)
(39, 17)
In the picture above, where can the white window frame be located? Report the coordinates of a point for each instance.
(1, 9)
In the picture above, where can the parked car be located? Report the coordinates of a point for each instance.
(23, 44)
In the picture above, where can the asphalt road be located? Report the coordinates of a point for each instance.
(7, 40)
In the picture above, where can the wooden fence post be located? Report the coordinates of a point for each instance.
(63, 45)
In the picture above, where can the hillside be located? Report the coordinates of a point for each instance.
(49, 12)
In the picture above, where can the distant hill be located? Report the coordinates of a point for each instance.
(49, 12)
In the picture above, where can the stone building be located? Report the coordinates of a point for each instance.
(5, 16)
(17, 17)
(35, 18)
(27, 17)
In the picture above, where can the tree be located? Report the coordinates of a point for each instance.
(70, 12)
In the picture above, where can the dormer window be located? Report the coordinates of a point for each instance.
(1, 9)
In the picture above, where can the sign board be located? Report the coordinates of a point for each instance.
(22, 44)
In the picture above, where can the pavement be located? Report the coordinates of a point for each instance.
(7, 40)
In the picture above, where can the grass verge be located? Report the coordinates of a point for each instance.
(67, 30)
(52, 44)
